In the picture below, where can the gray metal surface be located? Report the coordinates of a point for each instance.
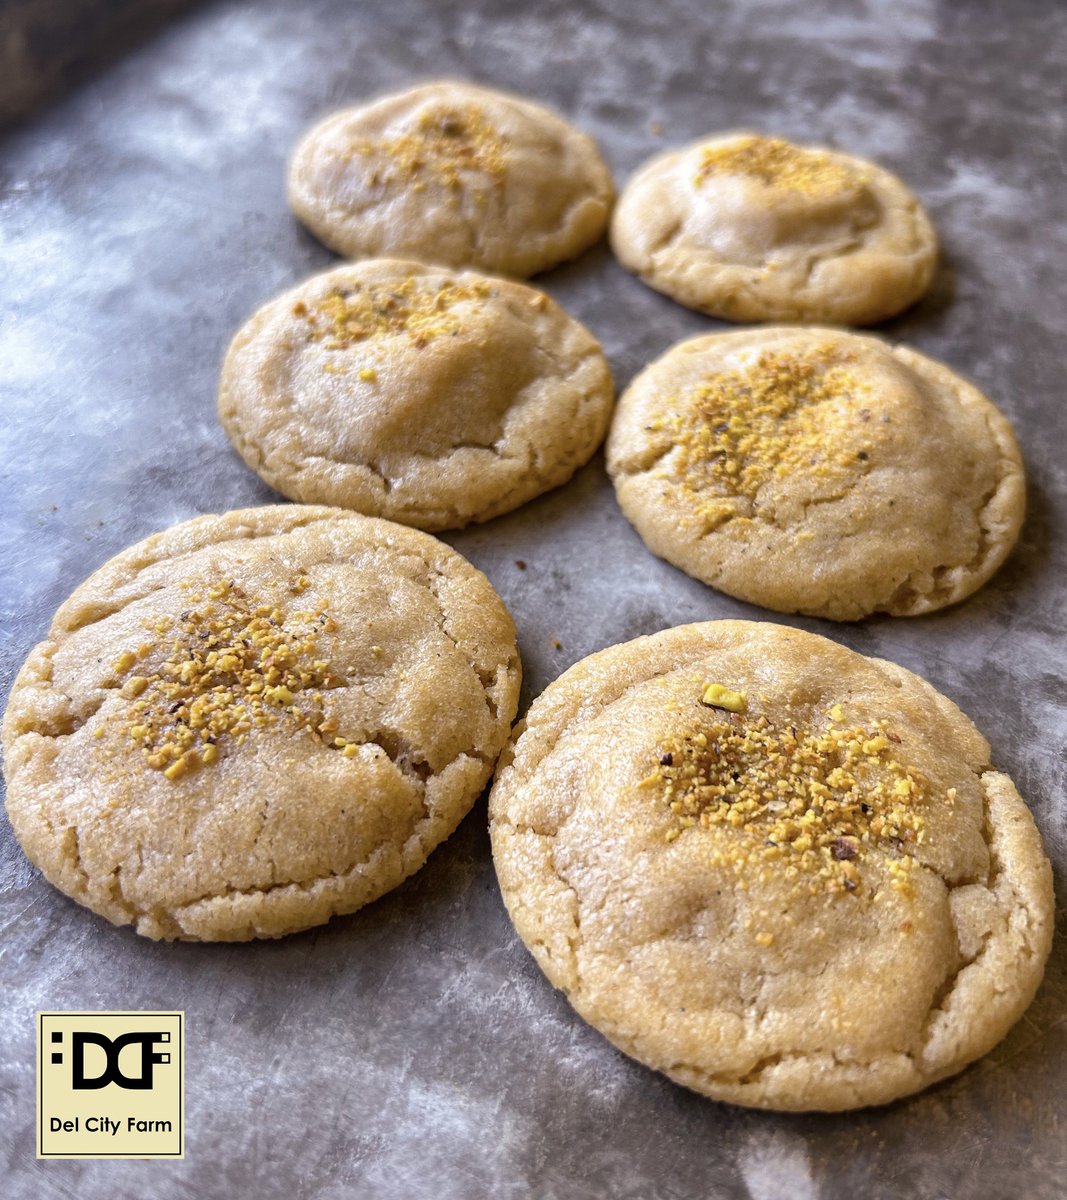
(414, 1050)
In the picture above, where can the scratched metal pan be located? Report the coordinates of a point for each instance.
(414, 1050)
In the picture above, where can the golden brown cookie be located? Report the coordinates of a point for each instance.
(782, 873)
(454, 174)
(424, 395)
(251, 722)
(815, 471)
(753, 228)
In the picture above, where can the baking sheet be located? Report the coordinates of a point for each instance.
(414, 1050)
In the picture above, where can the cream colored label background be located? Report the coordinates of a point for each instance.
(57, 1098)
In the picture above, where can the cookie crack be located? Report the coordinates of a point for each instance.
(584, 713)
(73, 850)
(911, 597)
(942, 1001)
(761, 516)
(101, 612)
(414, 768)
(403, 755)
(117, 892)
(66, 723)
(302, 885)
(753, 1076)
(96, 616)
(665, 240)
(843, 248)
(488, 679)
(374, 468)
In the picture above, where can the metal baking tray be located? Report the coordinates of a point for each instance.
(414, 1050)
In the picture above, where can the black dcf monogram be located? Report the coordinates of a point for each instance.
(112, 1048)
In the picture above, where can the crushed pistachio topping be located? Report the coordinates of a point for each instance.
(807, 805)
(443, 145)
(776, 162)
(233, 666)
(419, 308)
(784, 415)
(717, 696)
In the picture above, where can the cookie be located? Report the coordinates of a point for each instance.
(753, 228)
(453, 174)
(412, 392)
(252, 722)
(783, 874)
(814, 471)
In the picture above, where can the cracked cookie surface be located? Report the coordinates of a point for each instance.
(820, 897)
(753, 228)
(427, 396)
(815, 471)
(251, 722)
(455, 174)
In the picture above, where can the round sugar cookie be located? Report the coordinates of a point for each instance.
(783, 874)
(414, 392)
(251, 722)
(753, 228)
(815, 471)
(455, 174)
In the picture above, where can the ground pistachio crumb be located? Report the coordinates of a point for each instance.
(786, 414)
(717, 696)
(776, 162)
(445, 144)
(232, 666)
(421, 309)
(812, 805)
